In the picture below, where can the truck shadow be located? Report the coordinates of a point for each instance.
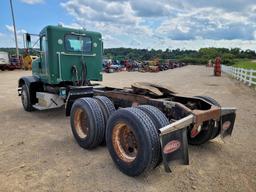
(20, 114)
(55, 113)
(209, 147)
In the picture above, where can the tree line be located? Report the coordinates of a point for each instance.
(202, 56)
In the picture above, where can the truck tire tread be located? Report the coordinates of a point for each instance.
(145, 130)
(95, 122)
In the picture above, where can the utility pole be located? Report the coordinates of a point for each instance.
(15, 34)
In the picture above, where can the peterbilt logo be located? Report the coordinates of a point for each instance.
(226, 125)
(171, 146)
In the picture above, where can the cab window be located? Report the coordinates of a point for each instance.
(43, 44)
(76, 43)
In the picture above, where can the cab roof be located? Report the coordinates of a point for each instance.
(60, 28)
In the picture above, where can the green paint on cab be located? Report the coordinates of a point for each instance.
(64, 49)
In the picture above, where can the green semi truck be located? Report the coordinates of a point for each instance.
(142, 125)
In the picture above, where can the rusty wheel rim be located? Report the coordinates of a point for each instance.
(80, 122)
(124, 142)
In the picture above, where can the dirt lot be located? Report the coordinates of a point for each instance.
(38, 152)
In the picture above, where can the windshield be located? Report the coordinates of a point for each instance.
(76, 43)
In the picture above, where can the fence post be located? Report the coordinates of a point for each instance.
(245, 75)
(241, 74)
(250, 77)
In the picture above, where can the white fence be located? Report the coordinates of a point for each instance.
(246, 75)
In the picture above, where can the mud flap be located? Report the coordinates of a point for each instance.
(228, 116)
(174, 142)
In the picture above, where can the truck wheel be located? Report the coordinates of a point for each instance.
(210, 100)
(107, 108)
(87, 123)
(158, 118)
(203, 136)
(25, 98)
(132, 141)
(216, 130)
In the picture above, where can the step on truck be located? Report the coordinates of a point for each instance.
(142, 125)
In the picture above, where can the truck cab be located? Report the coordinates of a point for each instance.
(69, 59)
(68, 55)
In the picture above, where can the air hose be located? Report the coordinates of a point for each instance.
(84, 74)
(74, 74)
(84, 68)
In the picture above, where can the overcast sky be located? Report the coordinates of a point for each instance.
(158, 24)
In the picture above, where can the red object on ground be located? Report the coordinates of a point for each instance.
(217, 67)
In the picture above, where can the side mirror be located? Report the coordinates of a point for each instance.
(27, 39)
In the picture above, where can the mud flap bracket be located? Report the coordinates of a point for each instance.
(174, 144)
(228, 116)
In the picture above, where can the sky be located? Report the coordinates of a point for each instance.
(157, 24)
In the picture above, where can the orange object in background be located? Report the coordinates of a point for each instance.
(217, 67)
(27, 60)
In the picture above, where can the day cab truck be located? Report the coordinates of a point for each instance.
(142, 125)
(4, 60)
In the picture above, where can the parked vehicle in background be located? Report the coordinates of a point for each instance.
(15, 63)
(4, 60)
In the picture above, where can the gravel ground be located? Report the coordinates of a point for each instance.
(38, 152)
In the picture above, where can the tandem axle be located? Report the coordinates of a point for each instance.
(141, 125)
(131, 119)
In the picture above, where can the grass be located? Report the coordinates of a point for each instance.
(245, 63)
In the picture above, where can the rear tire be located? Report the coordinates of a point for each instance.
(208, 131)
(216, 130)
(210, 100)
(203, 136)
(132, 141)
(25, 98)
(87, 123)
(107, 108)
(158, 118)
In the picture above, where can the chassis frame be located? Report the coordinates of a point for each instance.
(184, 113)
